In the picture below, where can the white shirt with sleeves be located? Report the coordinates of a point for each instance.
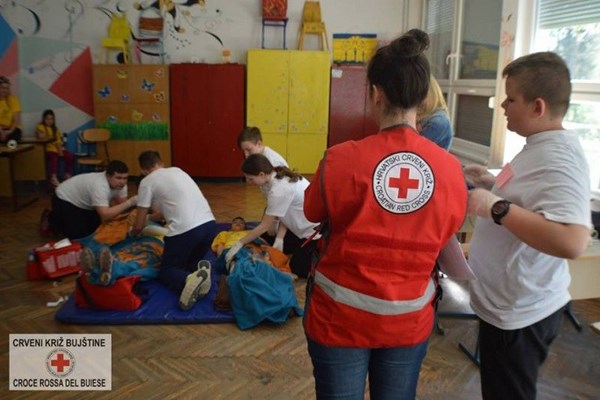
(177, 197)
(274, 157)
(285, 200)
(518, 285)
(88, 191)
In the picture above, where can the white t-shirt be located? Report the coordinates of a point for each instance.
(285, 200)
(274, 157)
(177, 197)
(517, 285)
(88, 191)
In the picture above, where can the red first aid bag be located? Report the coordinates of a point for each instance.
(53, 263)
(123, 295)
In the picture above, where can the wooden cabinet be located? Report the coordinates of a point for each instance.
(288, 100)
(349, 117)
(207, 115)
(132, 101)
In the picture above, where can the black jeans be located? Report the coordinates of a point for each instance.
(72, 221)
(510, 360)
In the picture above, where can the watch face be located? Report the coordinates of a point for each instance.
(499, 210)
(499, 207)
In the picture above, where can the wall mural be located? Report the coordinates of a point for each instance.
(48, 47)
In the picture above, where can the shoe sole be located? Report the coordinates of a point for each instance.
(105, 259)
(86, 260)
(204, 265)
(192, 287)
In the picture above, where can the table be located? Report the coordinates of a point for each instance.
(32, 165)
(8, 173)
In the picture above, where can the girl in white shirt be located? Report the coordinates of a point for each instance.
(284, 190)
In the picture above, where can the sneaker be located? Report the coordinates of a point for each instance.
(195, 283)
(204, 265)
(86, 260)
(105, 259)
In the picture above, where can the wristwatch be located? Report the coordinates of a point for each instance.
(499, 210)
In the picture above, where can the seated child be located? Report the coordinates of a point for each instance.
(47, 129)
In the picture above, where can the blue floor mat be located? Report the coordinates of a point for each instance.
(161, 307)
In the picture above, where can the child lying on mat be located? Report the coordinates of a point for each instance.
(226, 239)
(110, 253)
(259, 285)
(259, 250)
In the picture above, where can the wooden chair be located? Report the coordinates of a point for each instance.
(150, 36)
(274, 13)
(312, 24)
(119, 35)
(99, 138)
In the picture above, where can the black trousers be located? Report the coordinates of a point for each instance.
(301, 257)
(71, 221)
(510, 359)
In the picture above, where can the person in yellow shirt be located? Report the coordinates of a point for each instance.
(10, 113)
(47, 129)
(226, 239)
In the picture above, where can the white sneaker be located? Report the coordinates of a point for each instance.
(197, 285)
(204, 265)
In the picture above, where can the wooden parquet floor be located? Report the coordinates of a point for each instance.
(218, 361)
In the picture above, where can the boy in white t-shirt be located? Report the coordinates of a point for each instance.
(250, 142)
(190, 222)
(532, 217)
(82, 202)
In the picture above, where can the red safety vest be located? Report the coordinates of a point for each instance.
(393, 201)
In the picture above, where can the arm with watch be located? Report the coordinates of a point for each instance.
(554, 238)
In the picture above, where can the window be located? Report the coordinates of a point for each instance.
(572, 29)
(465, 37)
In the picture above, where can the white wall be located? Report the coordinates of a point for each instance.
(236, 22)
(53, 33)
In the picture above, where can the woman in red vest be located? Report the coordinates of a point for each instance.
(388, 204)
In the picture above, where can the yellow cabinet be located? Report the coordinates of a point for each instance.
(288, 100)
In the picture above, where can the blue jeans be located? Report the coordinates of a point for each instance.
(340, 372)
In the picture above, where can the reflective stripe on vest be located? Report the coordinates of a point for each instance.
(372, 304)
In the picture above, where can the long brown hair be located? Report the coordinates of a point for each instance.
(257, 163)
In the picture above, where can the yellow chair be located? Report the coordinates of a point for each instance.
(99, 138)
(119, 35)
(312, 24)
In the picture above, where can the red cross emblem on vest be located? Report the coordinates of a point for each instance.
(403, 182)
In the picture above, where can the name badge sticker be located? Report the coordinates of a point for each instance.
(504, 176)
